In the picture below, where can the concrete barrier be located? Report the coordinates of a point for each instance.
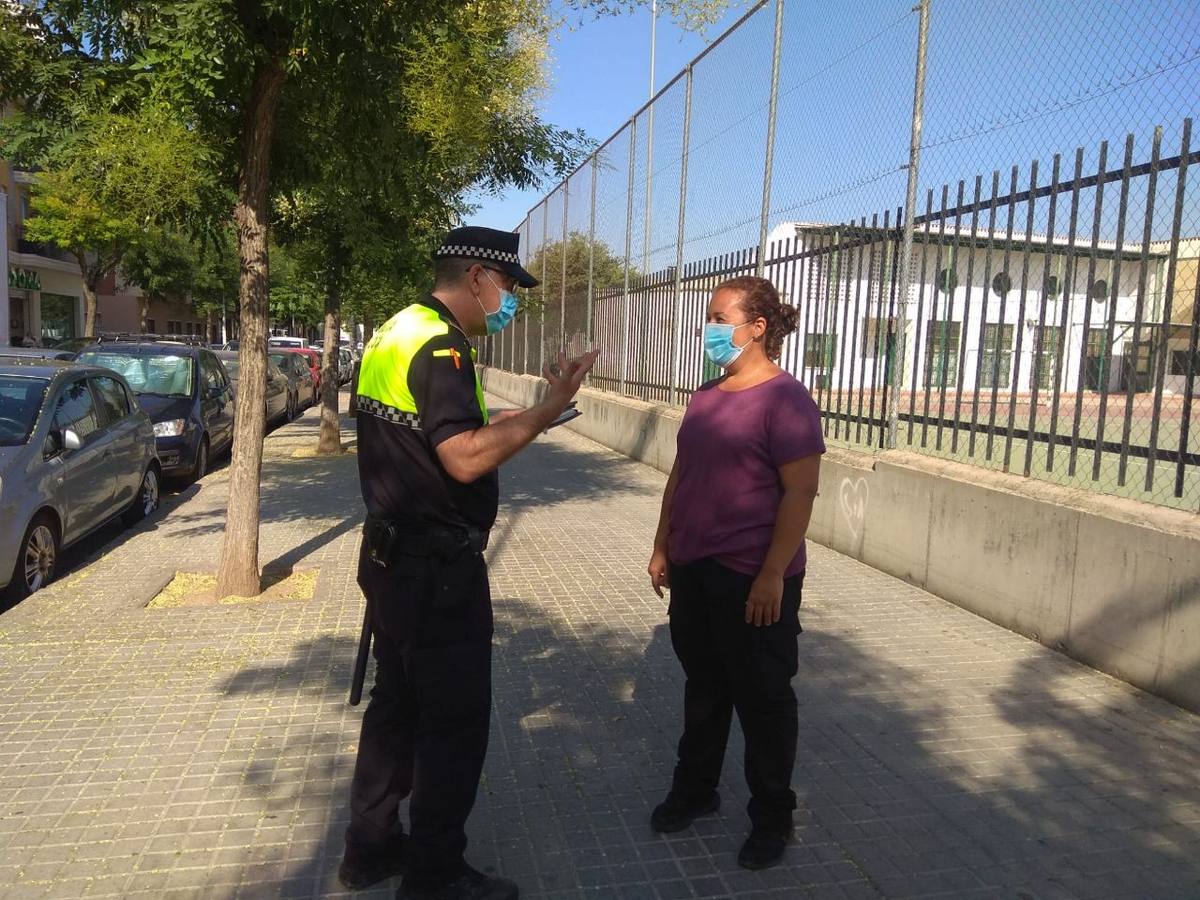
(1113, 583)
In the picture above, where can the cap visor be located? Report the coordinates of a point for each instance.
(524, 279)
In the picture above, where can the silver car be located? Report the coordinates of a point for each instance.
(76, 451)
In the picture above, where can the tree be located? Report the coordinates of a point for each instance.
(171, 265)
(228, 67)
(111, 186)
(582, 256)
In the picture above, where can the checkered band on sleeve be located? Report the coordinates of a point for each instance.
(477, 253)
(389, 413)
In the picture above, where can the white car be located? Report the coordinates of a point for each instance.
(292, 343)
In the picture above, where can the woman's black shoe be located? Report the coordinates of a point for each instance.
(471, 885)
(764, 848)
(362, 868)
(676, 813)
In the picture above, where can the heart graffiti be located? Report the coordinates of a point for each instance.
(853, 499)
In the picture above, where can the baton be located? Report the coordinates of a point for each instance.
(364, 654)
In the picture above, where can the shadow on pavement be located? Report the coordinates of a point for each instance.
(585, 722)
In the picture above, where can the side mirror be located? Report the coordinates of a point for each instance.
(70, 440)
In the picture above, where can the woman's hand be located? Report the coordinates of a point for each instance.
(658, 570)
(766, 598)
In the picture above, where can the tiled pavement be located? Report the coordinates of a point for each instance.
(206, 752)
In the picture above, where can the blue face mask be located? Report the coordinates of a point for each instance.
(719, 345)
(502, 317)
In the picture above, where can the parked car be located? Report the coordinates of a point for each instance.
(36, 353)
(74, 345)
(346, 365)
(284, 340)
(187, 394)
(76, 451)
(281, 404)
(313, 358)
(232, 345)
(299, 375)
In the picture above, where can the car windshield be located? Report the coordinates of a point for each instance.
(164, 376)
(20, 401)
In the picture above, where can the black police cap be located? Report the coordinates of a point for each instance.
(490, 245)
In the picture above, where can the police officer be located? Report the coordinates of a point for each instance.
(427, 459)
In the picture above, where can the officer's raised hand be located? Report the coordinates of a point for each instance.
(568, 375)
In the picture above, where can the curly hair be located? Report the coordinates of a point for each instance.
(760, 300)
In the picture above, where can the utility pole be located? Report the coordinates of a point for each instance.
(906, 244)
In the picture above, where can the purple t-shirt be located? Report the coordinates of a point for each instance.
(729, 450)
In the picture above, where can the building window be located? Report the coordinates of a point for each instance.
(1096, 361)
(819, 350)
(1099, 291)
(875, 335)
(996, 356)
(941, 354)
(947, 280)
(150, 329)
(1001, 284)
(58, 318)
(1047, 353)
(1179, 362)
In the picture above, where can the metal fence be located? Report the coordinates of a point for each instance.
(986, 214)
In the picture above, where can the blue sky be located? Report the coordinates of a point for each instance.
(599, 75)
(1009, 82)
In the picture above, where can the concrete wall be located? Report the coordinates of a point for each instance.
(1113, 583)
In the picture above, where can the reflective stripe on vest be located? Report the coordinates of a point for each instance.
(383, 374)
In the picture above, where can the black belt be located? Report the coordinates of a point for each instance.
(388, 538)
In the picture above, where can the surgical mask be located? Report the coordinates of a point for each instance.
(719, 345)
(500, 319)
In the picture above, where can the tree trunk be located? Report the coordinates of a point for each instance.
(330, 440)
(143, 312)
(89, 278)
(238, 572)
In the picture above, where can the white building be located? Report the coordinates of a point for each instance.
(1007, 317)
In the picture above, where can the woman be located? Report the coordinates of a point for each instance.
(730, 547)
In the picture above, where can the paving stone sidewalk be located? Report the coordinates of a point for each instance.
(206, 752)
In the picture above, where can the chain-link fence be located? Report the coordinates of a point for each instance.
(1033, 307)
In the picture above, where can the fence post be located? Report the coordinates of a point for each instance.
(677, 308)
(910, 203)
(562, 315)
(591, 295)
(769, 160)
(628, 248)
(525, 329)
(542, 317)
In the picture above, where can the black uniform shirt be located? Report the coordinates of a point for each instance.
(398, 466)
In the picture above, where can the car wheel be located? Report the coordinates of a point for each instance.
(201, 468)
(37, 558)
(146, 500)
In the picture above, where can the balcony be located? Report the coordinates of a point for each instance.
(48, 251)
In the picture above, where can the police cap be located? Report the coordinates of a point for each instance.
(488, 244)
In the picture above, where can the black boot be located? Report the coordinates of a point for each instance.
(764, 848)
(677, 813)
(471, 885)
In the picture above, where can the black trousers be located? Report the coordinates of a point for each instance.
(425, 729)
(734, 666)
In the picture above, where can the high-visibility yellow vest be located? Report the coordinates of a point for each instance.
(383, 373)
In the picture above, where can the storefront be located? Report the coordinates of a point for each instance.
(44, 303)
